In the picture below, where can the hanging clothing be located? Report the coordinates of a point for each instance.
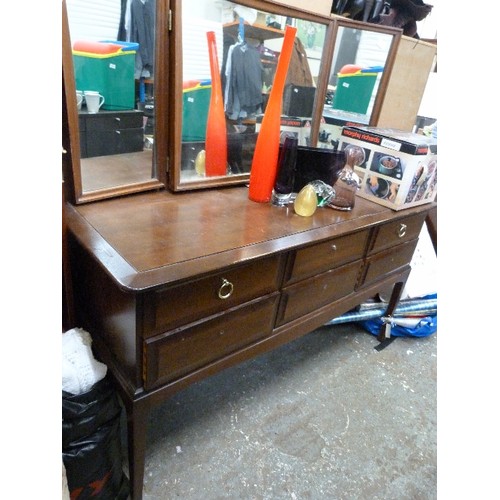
(299, 72)
(244, 82)
(142, 31)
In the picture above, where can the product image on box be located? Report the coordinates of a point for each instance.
(424, 182)
(108, 68)
(386, 164)
(400, 166)
(381, 188)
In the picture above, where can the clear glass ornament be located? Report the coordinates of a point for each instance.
(347, 184)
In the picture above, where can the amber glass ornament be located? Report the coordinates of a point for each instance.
(306, 202)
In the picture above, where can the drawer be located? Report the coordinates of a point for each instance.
(114, 121)
(178, 305)
(113, 142)
(388, 261)
(175, 354)
(308, 295)
(397, 232)
(321, 257)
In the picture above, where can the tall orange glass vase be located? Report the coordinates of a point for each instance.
(216, 137)
(265, 158)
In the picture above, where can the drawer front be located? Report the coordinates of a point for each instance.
(388, 261)
(179, 305)
(175, 354)
(115, 121)
(309, 295)
(318, 258)
(397, 232)
(114, 142)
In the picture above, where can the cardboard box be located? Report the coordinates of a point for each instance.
(398, 169)
(295, 125)
(330, 130)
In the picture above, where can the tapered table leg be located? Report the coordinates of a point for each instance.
(137, 425)
(385, 329)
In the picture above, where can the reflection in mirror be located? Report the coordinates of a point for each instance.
(358, 63)
(248, 44)
(362, 59)
(113, 54)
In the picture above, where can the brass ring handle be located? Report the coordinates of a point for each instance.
(226, 289)
(402, 230)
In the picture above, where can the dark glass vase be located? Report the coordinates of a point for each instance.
(283, 185)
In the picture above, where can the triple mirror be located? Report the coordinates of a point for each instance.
(150, 61)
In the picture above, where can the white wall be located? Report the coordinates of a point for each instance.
(428, 27)
(93, 20)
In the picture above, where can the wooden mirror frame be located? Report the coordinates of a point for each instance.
(338, 22)
(175, 182)
(71, 164)
(168, 99)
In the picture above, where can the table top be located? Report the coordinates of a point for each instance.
(152, 239)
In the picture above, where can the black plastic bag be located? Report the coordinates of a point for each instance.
(91, 444)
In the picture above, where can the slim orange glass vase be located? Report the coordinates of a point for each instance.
(215, 138)
(265, 158)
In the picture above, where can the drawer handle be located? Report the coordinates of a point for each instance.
(226, 289)
(402, 230)
(334, 247)
(118, 119)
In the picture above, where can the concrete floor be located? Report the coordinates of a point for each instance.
(325, 417)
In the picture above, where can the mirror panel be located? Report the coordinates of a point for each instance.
(249, 36)
(180, 87)
(360, 67)
(113, 151)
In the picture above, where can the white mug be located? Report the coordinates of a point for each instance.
(94, 101)
(79, 99)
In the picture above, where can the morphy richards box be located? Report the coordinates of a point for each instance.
(398, 169)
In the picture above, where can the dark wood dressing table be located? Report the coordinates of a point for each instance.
(176, 287)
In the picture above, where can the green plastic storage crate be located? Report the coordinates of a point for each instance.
(112, 75)
(195, 104)
(354, 92)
